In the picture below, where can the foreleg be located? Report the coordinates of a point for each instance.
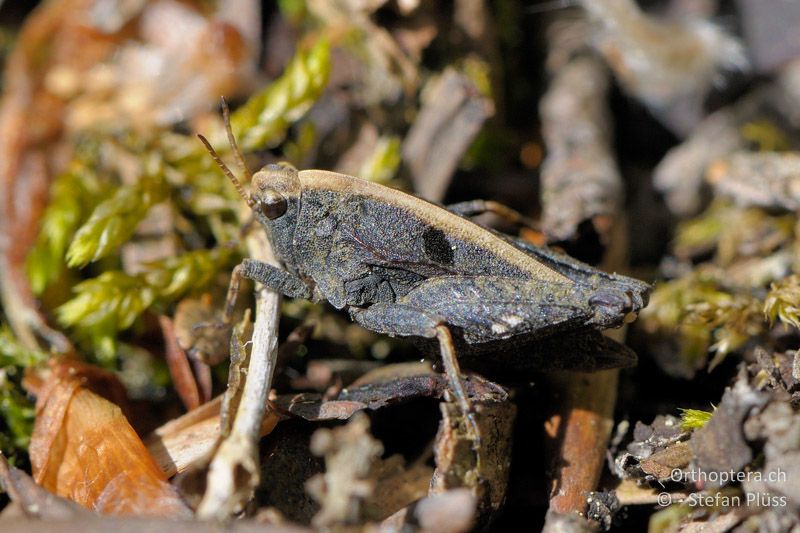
(277, 279)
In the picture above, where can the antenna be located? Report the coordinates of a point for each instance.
(227, 171)
(226, 118)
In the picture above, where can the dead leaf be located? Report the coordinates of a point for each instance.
(662, 463)
(382, 387)
(84, 449)
(33, 500)
(720, 445)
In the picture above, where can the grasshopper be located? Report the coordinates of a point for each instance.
(402, 266)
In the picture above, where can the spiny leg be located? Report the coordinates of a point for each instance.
(407, 320)
(453, 372)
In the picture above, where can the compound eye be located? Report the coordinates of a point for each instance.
(272, 205)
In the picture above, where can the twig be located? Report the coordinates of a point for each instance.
(446, 126)
(581, 423)
(580, 180)
(228, 490)
(580, 430)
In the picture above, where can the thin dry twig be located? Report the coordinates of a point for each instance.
(580, 179)
(186, 441)
(228, 490)
(580, 431)
(580, 182)
(447, 123)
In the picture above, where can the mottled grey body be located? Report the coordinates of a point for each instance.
(403, 266)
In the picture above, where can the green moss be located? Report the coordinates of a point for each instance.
(264, 120)
(16, 409)
(692, 419)
(110, 303)
(783, 302)
(114, 221)
(73, 196)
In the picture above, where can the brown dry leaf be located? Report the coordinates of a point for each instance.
(32, 500)
(84, 449)
(381, 387)
(663, 463)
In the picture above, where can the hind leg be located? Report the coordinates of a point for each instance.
(473, 208)
(405, 320)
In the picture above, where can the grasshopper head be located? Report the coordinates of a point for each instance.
(275, 200)
(275, 193)
(275, 196)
